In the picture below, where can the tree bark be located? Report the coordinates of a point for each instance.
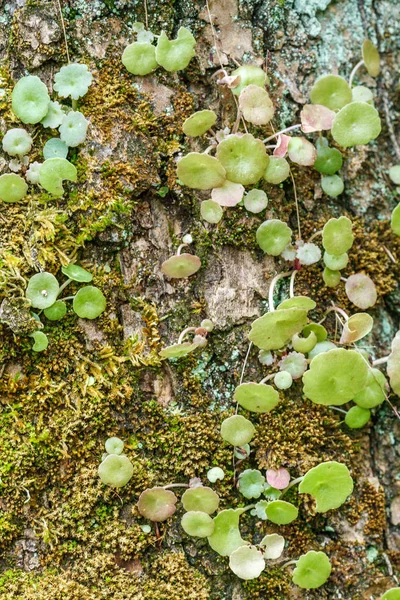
(63, 534)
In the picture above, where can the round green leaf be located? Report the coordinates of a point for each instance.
(139, 58)
(304, 345)
(278, 170)
(336, 262)
(72, 80)
(249, 75)
(329, 484)
(332, 185)
(393, 594)
(53, 172)
(42, 290)
(41, 341)
(156, 503)
(237, 430)
(114, 445)
(360, 93)
(318, 329)
(56, 311)
(251, 483)
(298, 302)
(256, 105)
(226, 537)
(17, 142)
(182, 266)
(199, 123)
(273, 236)
(395, 220)
(331, 278)
(337, 236)
(355, 124)
(200, 171)
(295, 363)
(255, 201)
(371, 58)
(89, 302)
(200, 498)
(30, 99)
(12, 187)
(335, 377)
(312, 570)
(55, 148)
(281, 512)
(256, 397)
(357, 417)
(301, 151)
(211, 211)
(329, 160)
(197, 524)
(178, 350)
(243, 157)
(274, 329)
(373, 393)
(247, 562)
(175, 55)
(73, 129)
(115, 470)
(77, 273)
(331, 91)
(394, 174)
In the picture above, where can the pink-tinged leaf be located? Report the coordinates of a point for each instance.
(315, 117)
(278, 479)
(282, 145)
(228, 194)
(302, 152)
(357, 327)
(361, 290)
(393, 364)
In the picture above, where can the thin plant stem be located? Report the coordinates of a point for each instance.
(214, 34)
(272, 288)
(146, 15)
(68, 298)
(287, 564)
(63, 286)
(292, 483)
(175, 485)
(338, 310)
(274, 135)
(246, 358)
(380, 361)
(178, 252)
(390, 255)
(249, 507)
(185, 332)
(314, 235)
(291, 287)
(267, 378)
(296, 202)
(354, 71)
(338, 409)
(63, 28)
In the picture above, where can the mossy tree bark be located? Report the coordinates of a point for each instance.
(63, 534)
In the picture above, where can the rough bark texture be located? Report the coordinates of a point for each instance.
(62, 533)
